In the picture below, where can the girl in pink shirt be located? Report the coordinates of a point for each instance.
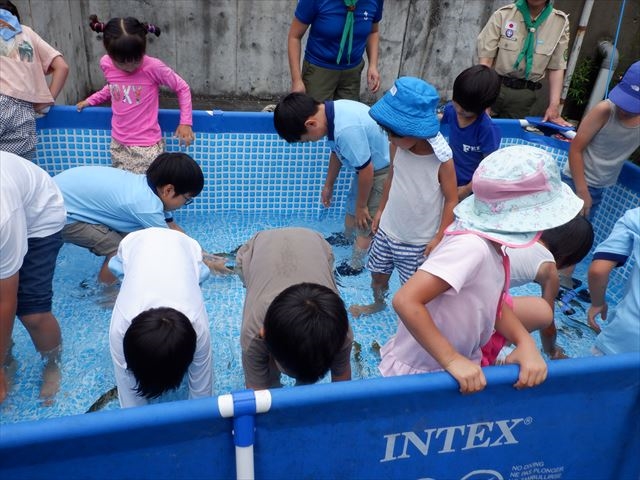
(133, 88)
(449, 308)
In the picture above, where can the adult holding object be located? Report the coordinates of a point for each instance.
(524, 42)
(339, 33)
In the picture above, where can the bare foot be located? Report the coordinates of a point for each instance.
(50, 383)
(358, 310)
(557, 354)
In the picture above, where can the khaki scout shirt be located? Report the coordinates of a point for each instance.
(504, 34)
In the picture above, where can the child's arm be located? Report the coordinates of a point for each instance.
(384, 198)
(589, 127)
(332, 173)
(175, 82)
(365, 183)
(533, 368)
(101, 96)
(59, 71)
(547, 278)
(409, 303)
(599, 272)
(448, 185)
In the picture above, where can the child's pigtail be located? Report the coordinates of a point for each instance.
(151, 28)
(96, 25)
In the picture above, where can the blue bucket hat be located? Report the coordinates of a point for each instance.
(408, 108)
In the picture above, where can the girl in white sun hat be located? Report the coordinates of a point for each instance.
(450, 306)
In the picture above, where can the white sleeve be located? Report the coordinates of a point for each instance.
(201, 368)
(126, 384)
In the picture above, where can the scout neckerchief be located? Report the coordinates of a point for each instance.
(348, 30)
(532, 25)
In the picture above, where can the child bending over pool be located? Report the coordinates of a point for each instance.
(159, 327)
(621, 332)
(104, 203)
(420, 191)
(133, 82)
(293, 320)
(357, 142)
(450, 306)
(558, 247)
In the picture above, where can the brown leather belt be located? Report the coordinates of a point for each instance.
(520, 83)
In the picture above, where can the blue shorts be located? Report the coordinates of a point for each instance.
(385, 254)
(36, 275)
(595, 192)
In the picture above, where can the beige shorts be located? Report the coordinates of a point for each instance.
(99, 239)
(132, 158)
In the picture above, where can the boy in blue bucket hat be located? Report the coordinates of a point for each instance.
(420, 191)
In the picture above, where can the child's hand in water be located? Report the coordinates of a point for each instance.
(216, 264)
(82, 104)
(185, 135)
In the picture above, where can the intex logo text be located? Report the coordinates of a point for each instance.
(454, 438)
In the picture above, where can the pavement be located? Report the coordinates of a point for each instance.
(239, 104)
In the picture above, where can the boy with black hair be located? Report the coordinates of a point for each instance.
(293, 321)
(472, 134)
(355, 141)
(159, 326)
(104, 204)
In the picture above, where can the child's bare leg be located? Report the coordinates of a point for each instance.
(380, 287)
(45, 334)
(105, 276)
(566, 277)
(548, 339)
(7, 371)
(360, 248)
(349, 227)
(536, 314)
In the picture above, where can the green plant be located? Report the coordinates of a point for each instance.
(581, 81)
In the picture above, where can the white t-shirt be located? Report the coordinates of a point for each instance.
(162, 268)
(31, 206)
(414, 208)
(525, 263)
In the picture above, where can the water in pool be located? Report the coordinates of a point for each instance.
(83, 310)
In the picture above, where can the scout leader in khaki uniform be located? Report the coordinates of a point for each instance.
(522, 41)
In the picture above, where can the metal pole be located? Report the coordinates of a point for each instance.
(575, 50)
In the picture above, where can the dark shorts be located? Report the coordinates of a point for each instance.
(36, 275)
(99, 239)
(328, 84)
(513, 103)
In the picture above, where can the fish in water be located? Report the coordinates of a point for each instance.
(104, 399)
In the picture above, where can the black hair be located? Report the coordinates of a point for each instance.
(159, 346)
(177, 169)
(124, 39)
(476, 88)
(304, 328)
(569, 243)
(291, 113)
(10, 7)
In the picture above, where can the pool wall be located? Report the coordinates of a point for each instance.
(583, 422)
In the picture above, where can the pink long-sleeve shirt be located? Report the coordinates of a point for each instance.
(135, 100)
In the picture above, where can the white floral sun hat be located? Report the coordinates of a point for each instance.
(517, 193)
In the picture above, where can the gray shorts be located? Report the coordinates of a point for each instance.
(99, 239)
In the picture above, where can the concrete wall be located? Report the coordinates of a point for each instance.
(238, 48)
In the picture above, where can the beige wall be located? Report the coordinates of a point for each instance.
(238, 47)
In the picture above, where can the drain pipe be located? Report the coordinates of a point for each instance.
(609, 64)
(575, 50)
